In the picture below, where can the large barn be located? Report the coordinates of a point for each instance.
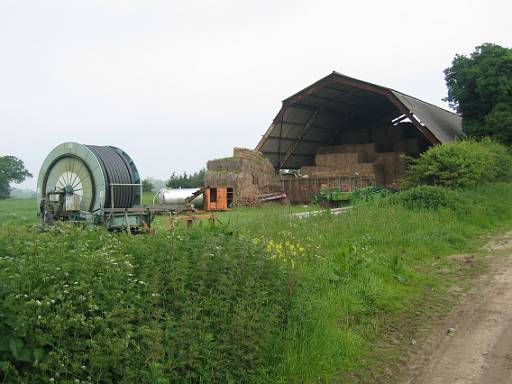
(340, 128)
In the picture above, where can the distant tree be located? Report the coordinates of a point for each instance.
(12, 170)
(194, 180)
(480, 89)
(147, 185)
(157, 183)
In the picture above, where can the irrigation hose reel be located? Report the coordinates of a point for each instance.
(89, 183)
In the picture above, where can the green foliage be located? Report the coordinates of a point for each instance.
(12, 169)
(194, 180)
(364, 269)
(290, 301)
(480, 89)
(147, 185)
(427, 197)
(202, 305)
(461, 164)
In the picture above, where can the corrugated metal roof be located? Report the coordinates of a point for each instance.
(315, 116)
(444, 125)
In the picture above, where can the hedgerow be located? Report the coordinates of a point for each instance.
(427, 197)
(88, 306)
(461, 164)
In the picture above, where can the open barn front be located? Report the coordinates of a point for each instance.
(341, 128)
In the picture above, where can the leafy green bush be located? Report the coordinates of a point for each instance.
(88, 306)
(427, 197)
(461, 164)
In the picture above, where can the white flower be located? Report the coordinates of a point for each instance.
(38, 302)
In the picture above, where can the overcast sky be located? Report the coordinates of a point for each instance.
(176, 83)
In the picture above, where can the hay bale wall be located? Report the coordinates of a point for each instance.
(248, 172)
(378, 152)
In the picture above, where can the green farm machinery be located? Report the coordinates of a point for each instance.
(336, 197)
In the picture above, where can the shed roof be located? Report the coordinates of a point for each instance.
(315, 116)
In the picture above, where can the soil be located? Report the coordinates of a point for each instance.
(473, 344)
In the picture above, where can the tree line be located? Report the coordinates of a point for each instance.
(184, 180)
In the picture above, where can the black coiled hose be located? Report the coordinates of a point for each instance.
(116, 171)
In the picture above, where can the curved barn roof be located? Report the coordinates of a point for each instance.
(315, 116)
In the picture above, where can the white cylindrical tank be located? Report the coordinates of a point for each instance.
(170, 196)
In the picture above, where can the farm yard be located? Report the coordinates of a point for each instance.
(186, 199)
(258, 296)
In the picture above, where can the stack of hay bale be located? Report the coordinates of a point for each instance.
(346, 160)
(248, 172)
(377, 152)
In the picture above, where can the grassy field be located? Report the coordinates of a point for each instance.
(20, 210)
(312, 298)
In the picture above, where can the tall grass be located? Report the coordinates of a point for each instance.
(263, 296)
(369, 263)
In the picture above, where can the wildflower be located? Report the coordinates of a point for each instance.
(38, 302)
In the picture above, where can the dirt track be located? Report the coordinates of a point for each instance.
(474, 344)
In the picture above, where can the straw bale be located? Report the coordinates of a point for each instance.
(409, 146)
(355, 136)
(366, 148)
(248, 172)
(394, 165)
(396, 132)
